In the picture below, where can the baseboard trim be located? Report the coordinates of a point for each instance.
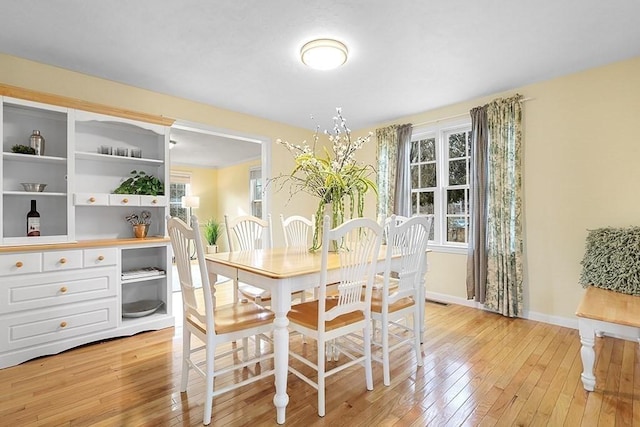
(529, 315)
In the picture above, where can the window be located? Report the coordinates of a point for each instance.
(180, 186)
(439, 171)
(255, 182)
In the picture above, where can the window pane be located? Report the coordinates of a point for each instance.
(414, 203)
(428, 175)
(456, 229)
(428, 150)
(414, 152)
(469, 144)
(457, 145)
(415, 177)
(458, 172)
(426, 202)
(456, 203)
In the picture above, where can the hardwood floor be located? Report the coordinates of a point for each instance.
(480, 369)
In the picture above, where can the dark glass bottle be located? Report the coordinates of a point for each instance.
(33, 221)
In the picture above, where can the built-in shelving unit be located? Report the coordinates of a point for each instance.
(73, 270)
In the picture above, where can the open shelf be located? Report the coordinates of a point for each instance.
(31, 158)
(117, 159)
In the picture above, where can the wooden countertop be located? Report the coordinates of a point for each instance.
(81, 244)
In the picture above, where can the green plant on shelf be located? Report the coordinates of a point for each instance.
(23, 149)
(141, 183)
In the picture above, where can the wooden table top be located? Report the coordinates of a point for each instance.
(277, 263)
(610, 306)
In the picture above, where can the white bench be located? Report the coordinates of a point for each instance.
(609, 312)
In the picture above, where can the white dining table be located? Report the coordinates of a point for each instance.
(283, 271)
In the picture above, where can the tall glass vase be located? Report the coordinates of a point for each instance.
(335, 211)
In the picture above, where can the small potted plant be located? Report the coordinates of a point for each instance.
(211, 234)
(140, 223)
(141, 183)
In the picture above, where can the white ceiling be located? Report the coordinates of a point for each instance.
(405, 56)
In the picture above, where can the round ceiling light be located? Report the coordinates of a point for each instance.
(324, 54)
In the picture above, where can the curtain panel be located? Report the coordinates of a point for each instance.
(495, 256)
(387, 153)
(477, 252)
(393, 146)
(504, 292)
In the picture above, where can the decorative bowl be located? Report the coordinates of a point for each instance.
(33, 187)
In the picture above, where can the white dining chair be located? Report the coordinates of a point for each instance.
(338, 320)
(298, 231)
(397, 299)
(214, 325)
(246, 233)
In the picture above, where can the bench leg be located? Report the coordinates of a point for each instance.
(587, 339)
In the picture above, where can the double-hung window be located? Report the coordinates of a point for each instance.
(180, 186)
(439, 179)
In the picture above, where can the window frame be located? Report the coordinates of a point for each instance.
(440, 130)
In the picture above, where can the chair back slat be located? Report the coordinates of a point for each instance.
(359, 245)
(250, 233)
(297, 230)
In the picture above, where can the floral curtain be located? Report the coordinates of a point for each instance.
(504, 290)
(387, 153)
(393, 170)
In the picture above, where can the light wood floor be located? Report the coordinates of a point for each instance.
(480, 369)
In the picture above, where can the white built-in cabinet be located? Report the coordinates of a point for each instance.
(65, 288)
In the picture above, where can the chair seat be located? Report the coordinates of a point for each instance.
(376, 303)
(234, 317)
(306, 314)
(378, 282)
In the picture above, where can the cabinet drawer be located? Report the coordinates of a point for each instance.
(100, 257)
(11, 264)
(124, 200)
(153, 200)
(61, 260)
(58, 323)
(51, 289)
(91, 199)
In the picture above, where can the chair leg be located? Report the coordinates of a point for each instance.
(208, 396)
(368, 373)
(186, 354)
(384, 335)
(416, 338)
(321, 351)
(257, 346)
(245, 349)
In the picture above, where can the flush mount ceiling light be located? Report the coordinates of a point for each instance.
(324, 54)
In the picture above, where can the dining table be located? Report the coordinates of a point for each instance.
(283, 272)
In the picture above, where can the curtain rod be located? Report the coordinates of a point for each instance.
(455, 117)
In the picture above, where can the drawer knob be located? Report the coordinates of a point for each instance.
(125, 200)
(101, 258)
(63, 260)
(63, 324)
(19, 264)
(92, 199)
(63, 289)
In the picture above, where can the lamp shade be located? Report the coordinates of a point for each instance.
(190, 201)
(324, 54)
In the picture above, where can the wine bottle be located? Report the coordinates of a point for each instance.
(33, 221)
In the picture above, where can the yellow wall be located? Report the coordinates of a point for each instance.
(580, 173)
(580, 168)
(204, 184)
(234, 194)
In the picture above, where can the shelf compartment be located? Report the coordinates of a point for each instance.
(32, 158)
(83, 155)
(32, 193)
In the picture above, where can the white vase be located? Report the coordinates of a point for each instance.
(212, 249)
